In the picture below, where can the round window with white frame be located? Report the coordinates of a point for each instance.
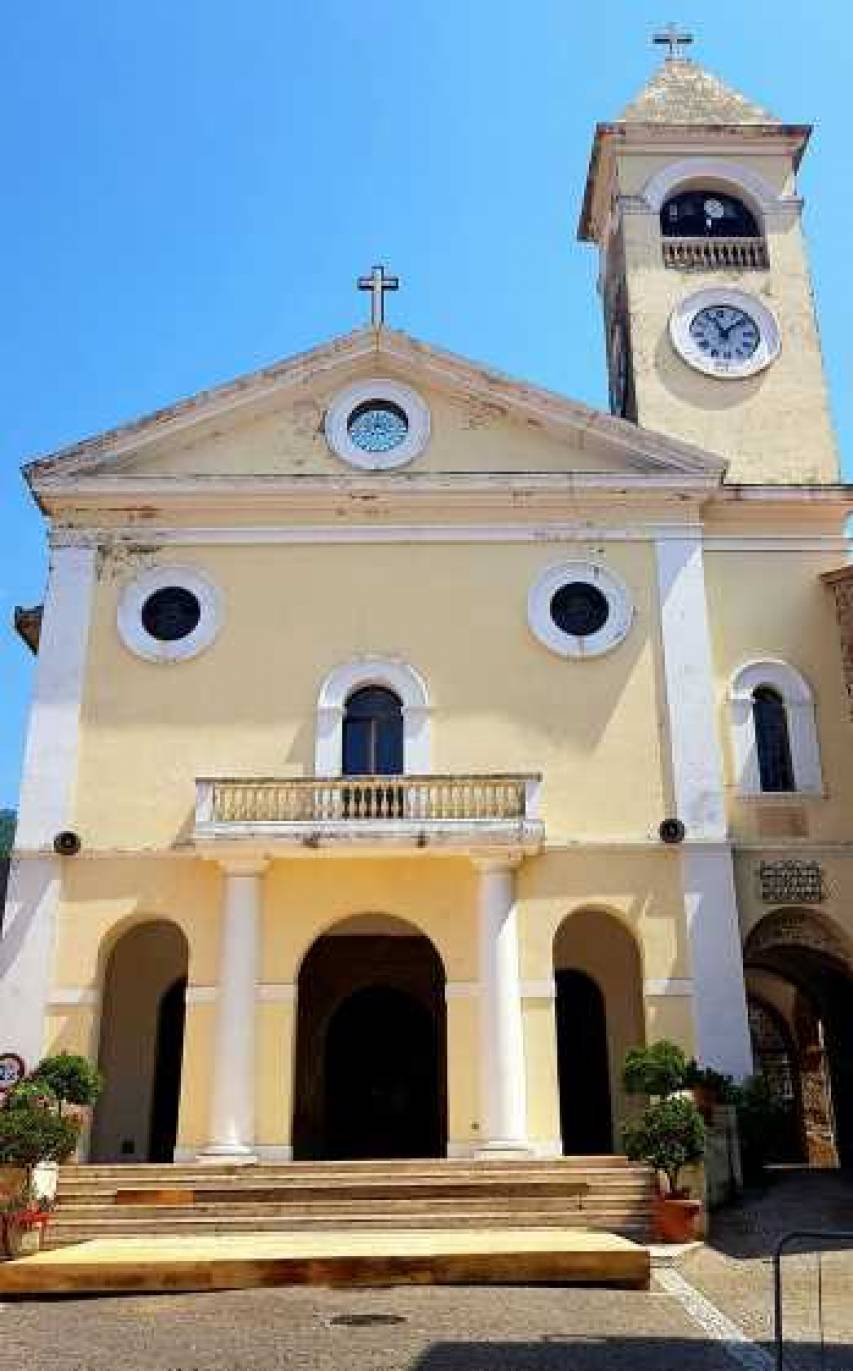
(169, 613)
(725, 333)
(580, 609)
(377, 425)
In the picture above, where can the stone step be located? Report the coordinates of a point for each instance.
(61, 1234)
(592, 1204)
(376, 1187)
(430, 1166)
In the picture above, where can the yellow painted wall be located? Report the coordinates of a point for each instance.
(457, 613)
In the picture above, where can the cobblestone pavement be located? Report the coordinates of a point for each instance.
(439, 1329)
(735, 1271)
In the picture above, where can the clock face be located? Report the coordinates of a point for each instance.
(725, 332)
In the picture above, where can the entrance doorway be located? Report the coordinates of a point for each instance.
(371, 1045)
(141, 1046)
(598, 1015)
(381, 1074)
(586, 1118)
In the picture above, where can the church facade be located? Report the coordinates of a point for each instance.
(407, 742)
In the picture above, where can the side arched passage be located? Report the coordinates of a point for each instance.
(598, 1016)
(141, 1045)
(799, 977)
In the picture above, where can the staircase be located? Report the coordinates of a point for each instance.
(130, 1200)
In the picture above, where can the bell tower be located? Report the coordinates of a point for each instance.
(709, 318)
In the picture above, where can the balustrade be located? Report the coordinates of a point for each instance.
(716, 254)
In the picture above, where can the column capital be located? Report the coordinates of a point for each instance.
(495, 860)
(242, 866)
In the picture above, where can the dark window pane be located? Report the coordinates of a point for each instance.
(772, 742)
(171, 613)
(707, 214)
(579, 609)
(373, 733)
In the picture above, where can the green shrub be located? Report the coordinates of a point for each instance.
(29, 1136)
(668, 1135)
(31, 1094)
(659, 1069)
(72, 1079)
(723, 1086)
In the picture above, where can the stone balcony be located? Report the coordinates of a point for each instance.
(715, 254)
(369, 813)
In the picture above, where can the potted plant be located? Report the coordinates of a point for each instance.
(669, 1135)
(657, 1070)
(32, 1132)
(72, 1081)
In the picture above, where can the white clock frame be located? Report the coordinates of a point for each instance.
(770, 338)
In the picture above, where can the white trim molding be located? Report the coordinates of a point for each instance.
(201, 994)
(387, 392)
(619, 604)
(798, 699)
(667, 985)
(133, 632)
(392, 673)
(68, 996)
(717, 174)
(281, 992)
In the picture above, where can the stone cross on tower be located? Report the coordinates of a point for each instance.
(673, 38)
(377, 283)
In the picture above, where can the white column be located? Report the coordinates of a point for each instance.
(710, 903)
(46, 801)
(232, 1111)
(503, 1092)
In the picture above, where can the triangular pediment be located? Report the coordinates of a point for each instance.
(270, 424)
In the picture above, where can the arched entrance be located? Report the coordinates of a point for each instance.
(799, 975)
(598, 1016)
(371, 1044)
(141, 1045)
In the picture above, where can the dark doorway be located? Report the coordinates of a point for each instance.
(583, 1067)
(167, 1072)
(381, 1075)
(370, 1049)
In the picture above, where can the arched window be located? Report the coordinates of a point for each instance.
(772, 743)
(704, 213)
(373, 733)
(394, 695)
(774, 730)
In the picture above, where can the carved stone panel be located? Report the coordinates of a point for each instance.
(791, 882)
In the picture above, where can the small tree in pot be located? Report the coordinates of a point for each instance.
(669, 1135)
(72, 1079)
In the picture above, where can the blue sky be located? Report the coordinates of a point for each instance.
(191, 188)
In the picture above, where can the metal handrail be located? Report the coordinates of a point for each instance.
(797, 1235)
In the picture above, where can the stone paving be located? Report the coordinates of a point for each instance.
(735, 1271)
(439, 1329)
(435, 1328)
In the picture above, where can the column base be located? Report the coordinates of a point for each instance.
(231, 1154)
(508, 1148)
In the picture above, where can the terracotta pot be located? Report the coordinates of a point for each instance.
(21, 1242)
(676, 1219)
